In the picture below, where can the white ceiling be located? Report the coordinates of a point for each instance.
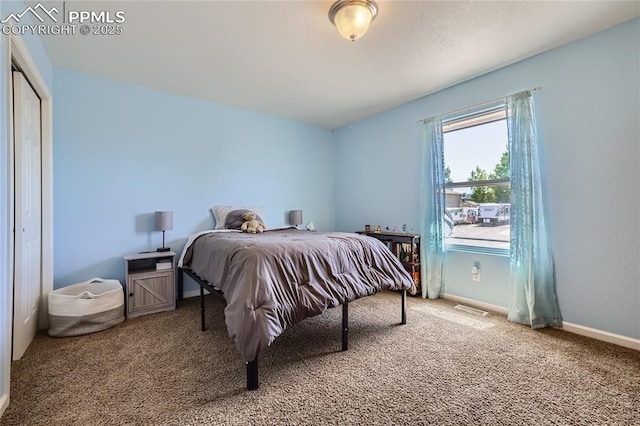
(286, 59)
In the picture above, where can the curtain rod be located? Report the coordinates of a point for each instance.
(535, 89)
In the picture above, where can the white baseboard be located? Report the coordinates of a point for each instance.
(605, 336)
(4, 402)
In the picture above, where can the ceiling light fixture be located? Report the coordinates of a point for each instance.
(353, 17)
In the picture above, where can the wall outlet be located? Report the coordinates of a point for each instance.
(475, 271)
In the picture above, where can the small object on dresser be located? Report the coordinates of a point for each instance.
(164, 264)
(367, 228)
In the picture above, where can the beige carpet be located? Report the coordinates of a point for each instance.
(444, 367)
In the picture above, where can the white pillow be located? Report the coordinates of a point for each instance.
(220, 213)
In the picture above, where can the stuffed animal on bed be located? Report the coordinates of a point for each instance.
(251, 225)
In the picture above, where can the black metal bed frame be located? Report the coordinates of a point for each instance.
(252, 366)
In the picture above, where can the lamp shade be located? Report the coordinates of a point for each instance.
(353, 17)
(295, 217)
(164, 221)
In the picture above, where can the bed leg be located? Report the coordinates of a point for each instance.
(202, 324)
(180, 284)
(403, 319)
(345, 326)
(252, 374)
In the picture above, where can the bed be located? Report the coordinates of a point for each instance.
(273, 280)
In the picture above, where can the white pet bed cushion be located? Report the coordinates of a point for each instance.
(85, 307)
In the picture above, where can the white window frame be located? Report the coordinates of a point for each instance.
(470, 117)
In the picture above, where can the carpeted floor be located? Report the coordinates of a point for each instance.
(445, 367)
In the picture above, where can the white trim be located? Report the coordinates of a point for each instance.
(4, 402)
(466, 121)
(6, 286)
(605, 336)
(20, 56)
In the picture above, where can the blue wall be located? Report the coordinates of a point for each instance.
(121, 152)
(588, 129)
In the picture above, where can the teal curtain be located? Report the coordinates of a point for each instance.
(432, 241)
(533, 292)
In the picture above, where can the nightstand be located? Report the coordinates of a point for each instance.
(150, 282)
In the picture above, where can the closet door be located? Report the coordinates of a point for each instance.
(28, 215)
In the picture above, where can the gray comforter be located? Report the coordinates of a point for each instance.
(281, 277)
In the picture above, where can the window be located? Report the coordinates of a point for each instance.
(478, 191)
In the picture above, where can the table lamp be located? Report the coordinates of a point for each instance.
(295, 217)
(164, 222)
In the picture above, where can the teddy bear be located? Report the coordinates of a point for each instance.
(251, 225)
